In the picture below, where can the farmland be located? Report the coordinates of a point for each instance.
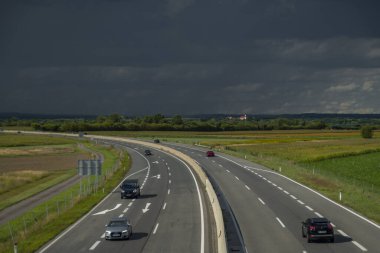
(31, 164)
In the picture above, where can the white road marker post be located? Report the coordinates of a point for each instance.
(280, 169)
(340, 196)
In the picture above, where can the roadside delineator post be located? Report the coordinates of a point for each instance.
(340, 196)
(15, 247)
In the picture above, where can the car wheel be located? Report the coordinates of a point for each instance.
(303, 233)
(332, 239)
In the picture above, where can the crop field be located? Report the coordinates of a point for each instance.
(31, 164)
(21, 140)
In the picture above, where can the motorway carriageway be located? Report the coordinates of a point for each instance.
(171, 215)
(269, 208)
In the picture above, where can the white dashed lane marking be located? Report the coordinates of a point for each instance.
(308, 207)
(279, 221)
(163, 208)
(299, 201)
(293, 197)
(262, 202)
(94, 245)
(318, 214)
(359, 246)
(342, 233)
(155, 228)
(246, 186)
(237, 178)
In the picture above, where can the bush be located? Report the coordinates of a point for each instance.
(367, 132)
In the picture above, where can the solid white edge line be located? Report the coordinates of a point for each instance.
(262, 202)
(94, 245)
(86, 215)
(359, 246)
(155, 228)
(279, 221)
(308, 188)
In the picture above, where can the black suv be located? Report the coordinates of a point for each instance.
(130, 188)
(156, 141)
(147, 152)
(317, 228)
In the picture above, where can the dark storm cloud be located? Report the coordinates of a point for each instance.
(190, 56)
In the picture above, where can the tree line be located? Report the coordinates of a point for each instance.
(158, 122)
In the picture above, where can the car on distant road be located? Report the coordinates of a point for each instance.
(130, 188)
(156, 141)
(118, 228)
(147, 152)
(210, 153)
(317, 228)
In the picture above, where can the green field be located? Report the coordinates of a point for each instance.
(19, 140)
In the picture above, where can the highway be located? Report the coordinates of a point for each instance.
(269, 208)
(171, 215)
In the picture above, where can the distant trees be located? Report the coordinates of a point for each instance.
(158, 122)
(367, 131)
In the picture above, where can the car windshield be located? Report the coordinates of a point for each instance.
(117, 224)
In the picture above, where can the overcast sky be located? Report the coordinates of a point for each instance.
(139, 57)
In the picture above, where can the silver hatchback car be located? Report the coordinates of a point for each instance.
(118, 228)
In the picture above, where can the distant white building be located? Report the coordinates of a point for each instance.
(243, 117)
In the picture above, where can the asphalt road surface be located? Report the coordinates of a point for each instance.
(269, 208)
(170, 216)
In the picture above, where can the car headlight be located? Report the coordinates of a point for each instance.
(108, 232)
(125, 231)
(134, 191)
(122, 191)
